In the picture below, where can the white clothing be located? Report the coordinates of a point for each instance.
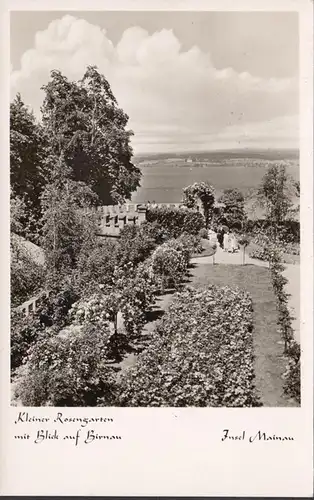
(233, 245)
(226, 242)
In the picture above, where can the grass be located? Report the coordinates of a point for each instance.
(269, 361)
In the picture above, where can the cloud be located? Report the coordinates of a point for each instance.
(175, 98)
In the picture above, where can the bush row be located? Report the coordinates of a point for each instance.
(176, 221)
(201, 354)
(292, 385)
(125, 289)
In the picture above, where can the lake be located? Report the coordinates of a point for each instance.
(163, 182)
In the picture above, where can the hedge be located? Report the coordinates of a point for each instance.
(201, 354)
(176, 221)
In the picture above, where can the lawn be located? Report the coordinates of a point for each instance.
(269, 361)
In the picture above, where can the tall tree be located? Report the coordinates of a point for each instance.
(28, 174)
(64, 225)
(84, 123)
(276, 195)
(233, 212)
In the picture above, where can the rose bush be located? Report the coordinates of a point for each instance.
(169, 264)
(201, 354)
(68, 369)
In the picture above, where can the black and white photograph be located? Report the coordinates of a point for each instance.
(154, 209)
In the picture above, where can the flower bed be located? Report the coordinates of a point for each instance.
(201, 354)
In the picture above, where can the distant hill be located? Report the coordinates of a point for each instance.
(221, 155)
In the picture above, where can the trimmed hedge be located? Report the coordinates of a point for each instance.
(176, 221)
(201, 354)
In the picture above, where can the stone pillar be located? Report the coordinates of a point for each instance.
(141, 213)
(122, 221)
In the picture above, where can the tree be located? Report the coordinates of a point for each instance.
(84, 122)
(28, 175)
(233, 212)
(64, 224)
(200, 192)
(276, 194)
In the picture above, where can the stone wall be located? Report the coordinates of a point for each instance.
(112, 218)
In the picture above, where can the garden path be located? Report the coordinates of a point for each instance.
(291, 272)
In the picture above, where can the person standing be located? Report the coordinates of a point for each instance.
(220, 236)
(233, 243)
(226, 241)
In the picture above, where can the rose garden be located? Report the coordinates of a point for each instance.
(159, 316)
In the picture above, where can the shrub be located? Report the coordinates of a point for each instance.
(135, 245)
(176, 221)
(292, 375)
(24, 333)
(169, 264)
(191, 242)
(53, 310)
(96, 266)
(203, 233)
(27, 276)
(68, 369)
(201, 354)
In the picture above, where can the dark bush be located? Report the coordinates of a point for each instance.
(24, 333)
(27, 276)
(176, 221)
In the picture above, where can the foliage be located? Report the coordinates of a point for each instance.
(25, 331)
(135, 245)
(138, 294)
(203, 233)
(53, 310)
(169, 263)
(201, 192)
(192, 243)
(28, 174)
(201, 354)
(233, 212)
(275, 195)
(292, 375)
(64, 225)
(284, 317)
(263, 248)
(96, 265)
(82, 119)
(176, 221)
(68, 369)
(243, 240)
(26, 275)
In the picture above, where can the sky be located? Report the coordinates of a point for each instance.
(189, 81)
